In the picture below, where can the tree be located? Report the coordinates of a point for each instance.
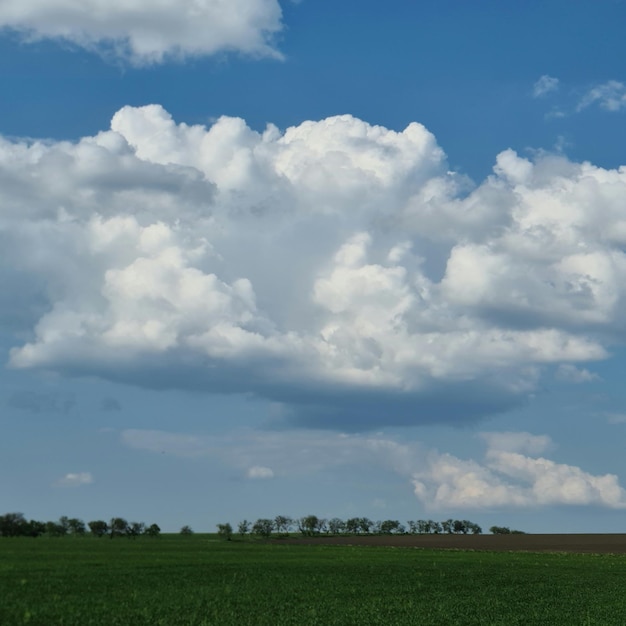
(35, 528)
(99, 528)
(54, 529)
(225, 531)
(390, 526)
(263, 528)
(118, 526)
(500, 530)
(352, 525)
(244, 527)
(186, 530)
(448, 526)
(458, 526)
(135, 529)
(76, 526)
(336, 526)
(282, 523)
(153, 530)
(428, 526)
(12, 524)
(422, 526)
(365, 525)
(309, 525)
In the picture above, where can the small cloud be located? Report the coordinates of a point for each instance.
(545, 85)
(258, 472)
(110, 404)
(610, 96)
(75, 480)
(517, 442)
(561, 144)
(162, 442)
(37, 402)
(573, 374)
(616, 418)
(555, 113)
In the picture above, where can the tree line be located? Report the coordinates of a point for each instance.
(16, 525)
(311, 525)
(505, 530)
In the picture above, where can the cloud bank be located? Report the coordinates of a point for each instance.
(336, 268)
(146, 32)
(512, 474)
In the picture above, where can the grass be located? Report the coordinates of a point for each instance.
(198, 580)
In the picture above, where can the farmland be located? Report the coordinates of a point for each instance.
(198, 580)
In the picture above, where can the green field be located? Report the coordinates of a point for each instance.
(197, 580)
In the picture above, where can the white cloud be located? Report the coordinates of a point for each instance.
(259, 472)
(336, 267)
(545, 85)
(510, 475)
(572, 374)
(610, 96)
(517, 442)
(148, 32)
(75, 480)
(508, 478)
(616, 418)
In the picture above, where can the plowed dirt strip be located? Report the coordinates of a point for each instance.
(596, 544)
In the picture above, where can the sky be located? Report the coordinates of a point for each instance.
(262, 258)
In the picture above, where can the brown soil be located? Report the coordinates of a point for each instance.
(596, 544)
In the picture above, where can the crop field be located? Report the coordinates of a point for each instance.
(174, 580)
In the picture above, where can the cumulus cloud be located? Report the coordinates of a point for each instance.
(74, 480)
(509, 478)
(545, 85)
(610, 96)
(146, 32)
(337, 268)
(511, 474)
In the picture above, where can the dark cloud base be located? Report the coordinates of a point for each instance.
(354, 409)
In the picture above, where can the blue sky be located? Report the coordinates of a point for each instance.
(304, 258)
